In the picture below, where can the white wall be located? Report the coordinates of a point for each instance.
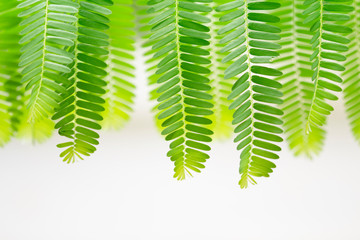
(126, 191)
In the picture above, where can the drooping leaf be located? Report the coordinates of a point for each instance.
(249, 36)
(80, 112)
(182, 82)
(48, 27)
(298, 88)
(329, 41)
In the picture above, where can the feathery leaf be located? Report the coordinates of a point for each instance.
(181, 33)
(79, 113)
(47, 28)
(329, 43)
(298, 88)
(249, 37)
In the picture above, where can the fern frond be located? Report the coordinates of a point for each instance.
(249, 36)
(221, 88)
(329, 44)
(296, 79)
(80, 111)
(17, 114)
(181, 34)
(119, 96)
(47, 28)
(352, 74)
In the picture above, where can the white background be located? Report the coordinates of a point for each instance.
(126, 191)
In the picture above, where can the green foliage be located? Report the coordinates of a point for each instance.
(329, 44)
(9, 77)
(221, 87)
(181, 35)
(47, 28)
(351, 74)
(298, 88)
(80, 111)
(37, 132)
(17, 113)
(144, 32)
(249, 37)
(119, 96)
(255, 68)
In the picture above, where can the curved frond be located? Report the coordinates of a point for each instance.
(119, 96)
(79, 113)
(296, 79)
(352, 74)
(47, 28)
(181, 34)
(329, 44)
(249, 36)
(16, 113)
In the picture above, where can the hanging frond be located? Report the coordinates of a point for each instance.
(119, 96)
(181, 34)
(249, 36)
(80, 111)
(221, 88)
(17, 112)
(329, 44)
(47, 28)
(10, 95)
(296, 79)
(352, 74)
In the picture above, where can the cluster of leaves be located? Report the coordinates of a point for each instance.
(67, 65)
(255, 69)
